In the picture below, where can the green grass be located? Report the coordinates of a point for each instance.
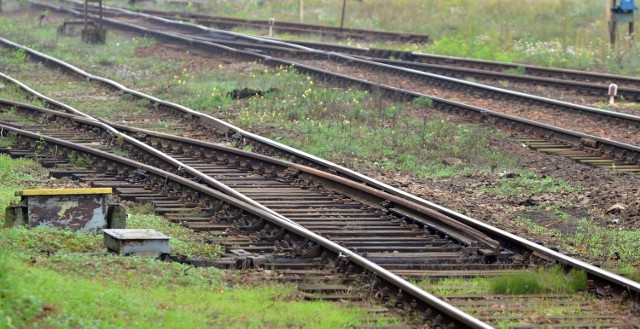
(183, 240)
(132, 292)
(602, 242)
(612, 248)
(353, 126)
(13, 92)
(90, 98)
(552, 280)
(476, 285)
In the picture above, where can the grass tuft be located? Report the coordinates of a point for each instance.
(551, 280)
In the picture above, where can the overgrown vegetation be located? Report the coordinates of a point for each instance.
(365, 130)
(605, 245)
(521, 285)
(15, 175)
(116, 291)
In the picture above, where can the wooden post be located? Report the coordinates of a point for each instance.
(344, 6)
(301, 11)
(611, 24)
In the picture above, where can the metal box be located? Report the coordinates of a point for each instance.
(137, 242)
(627, 5)
(623, 17)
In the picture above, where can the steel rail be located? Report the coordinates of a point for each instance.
(455, 314)
(629, 94)
(494, 245)
(408, 58)
(616, 149)
(197, 28)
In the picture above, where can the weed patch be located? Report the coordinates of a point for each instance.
(529, 183)
(552, 280)
(343, 125)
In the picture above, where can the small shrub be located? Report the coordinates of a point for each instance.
(422, 102)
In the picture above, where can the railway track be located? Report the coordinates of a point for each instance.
(610, 142)
(332, 211)
(614, 290)
(591, 85)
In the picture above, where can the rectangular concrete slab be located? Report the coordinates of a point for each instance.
(139, 242)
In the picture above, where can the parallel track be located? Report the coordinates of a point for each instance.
(623, 155)
(580, 82)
